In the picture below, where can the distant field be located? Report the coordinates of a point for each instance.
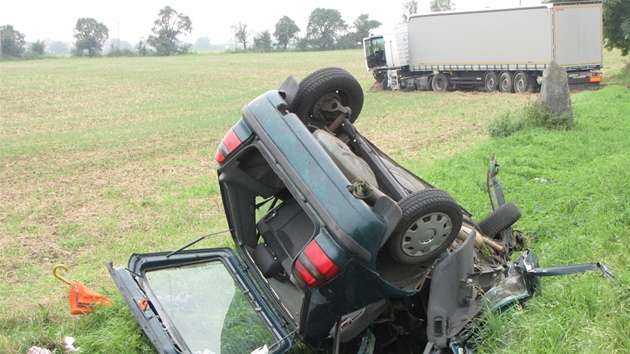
(105, 157)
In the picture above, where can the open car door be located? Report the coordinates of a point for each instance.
(200, 301)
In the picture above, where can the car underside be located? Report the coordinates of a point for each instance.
(335, 244)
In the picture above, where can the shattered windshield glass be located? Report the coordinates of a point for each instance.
(204, 308)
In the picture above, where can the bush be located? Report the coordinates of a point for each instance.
(541, 116)
(117, 52)
(32, 56)
(505, 125)
(532, 115)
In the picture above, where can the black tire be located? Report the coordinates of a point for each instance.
(521, 82)
(322, 86)
(500, 219)
(506, 82)
(490, 81)
(379, 76)
(440, 83)
(431, 219)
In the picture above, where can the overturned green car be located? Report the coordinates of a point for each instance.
(335, 244)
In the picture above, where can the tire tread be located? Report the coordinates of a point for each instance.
(500, 219)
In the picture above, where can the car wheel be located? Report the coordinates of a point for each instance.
(431, 219)
(320, 93)
(500, 219)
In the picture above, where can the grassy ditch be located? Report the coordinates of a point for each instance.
(106, 157)
(572, 189)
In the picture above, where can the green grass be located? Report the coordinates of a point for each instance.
(616, 69)
(105, 157)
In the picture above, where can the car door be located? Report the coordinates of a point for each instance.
(200, 301)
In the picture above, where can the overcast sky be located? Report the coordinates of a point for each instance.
(132, 20)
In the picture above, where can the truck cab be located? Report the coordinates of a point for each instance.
(386, 50)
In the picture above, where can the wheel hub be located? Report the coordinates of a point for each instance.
(325, 107)
(426, 234)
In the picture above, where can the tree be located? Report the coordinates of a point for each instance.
(12, 42)
(202, 43)
(410, 7)
(37, 48)
(142, 48)
(617, 25)
(302, 44)
(91, 35)
(442, 5)
(240, 34)
(347, 41)
(363, 25)
(184, 48)
(262, 41)
(58, 48)
(116, 51)
(286, 30)
(118, 48)
(166, 28)
(118, 44)
(325, 26)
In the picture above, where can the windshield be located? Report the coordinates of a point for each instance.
(374, 44)
(204, 307)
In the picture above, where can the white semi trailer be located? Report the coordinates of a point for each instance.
(505, 49)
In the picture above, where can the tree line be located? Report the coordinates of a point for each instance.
(326, 30)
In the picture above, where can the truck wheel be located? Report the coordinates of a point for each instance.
(500, 219)
(505, 82)
(430, 222)
(521, 82)
(490, 81)
(315, 100)
(440, 82)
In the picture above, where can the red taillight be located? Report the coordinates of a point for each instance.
(230, 143)
(314, 266)
(219, 156)
(595, 78)
(305, 275)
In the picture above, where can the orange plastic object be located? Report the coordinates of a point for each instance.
(82, 298)
(143, 304)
